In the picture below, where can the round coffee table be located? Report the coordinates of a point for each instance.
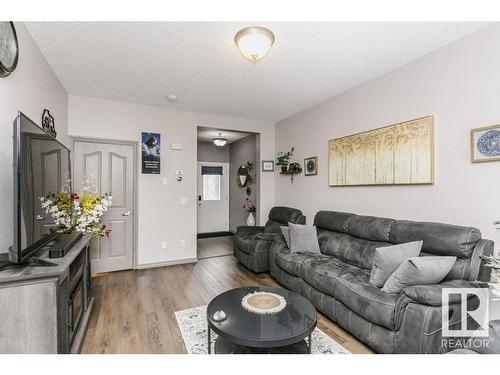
(248, 332)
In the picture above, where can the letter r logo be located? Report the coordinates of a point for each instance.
(468, 314)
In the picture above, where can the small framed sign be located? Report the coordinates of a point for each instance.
(311, 166)
(150, 150)
(267, 165)
(485, 144)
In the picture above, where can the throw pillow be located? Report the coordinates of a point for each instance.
(303, 238)
(426, 270)
(388, 259)
(286, 234)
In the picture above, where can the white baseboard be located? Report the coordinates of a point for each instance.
(168, 263)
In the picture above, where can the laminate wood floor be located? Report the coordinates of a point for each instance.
(134, 310)
(215, 247)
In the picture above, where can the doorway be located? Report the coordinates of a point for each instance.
(112, 167)
(213, 197)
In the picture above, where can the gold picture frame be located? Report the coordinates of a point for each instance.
(398, 154)
(490, 145)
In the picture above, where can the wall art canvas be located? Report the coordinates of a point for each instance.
(267, 165)
(398, 154)
(150, 150)
(485, 144)
(311, 166)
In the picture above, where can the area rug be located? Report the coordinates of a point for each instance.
(193, 326)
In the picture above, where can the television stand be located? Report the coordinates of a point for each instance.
(32, 262)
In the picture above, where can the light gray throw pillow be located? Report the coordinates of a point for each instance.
(426, 270)
(303, 239)
(286, 234)
(388, 259)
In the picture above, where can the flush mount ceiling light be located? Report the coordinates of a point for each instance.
(219, 141)
(254, 42)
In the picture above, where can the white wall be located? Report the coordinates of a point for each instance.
(29, 89)
(161, 216)
(458, 84)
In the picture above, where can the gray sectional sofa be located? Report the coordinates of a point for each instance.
(337, 281)
(252, 244)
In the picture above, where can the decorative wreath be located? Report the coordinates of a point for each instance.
(263, 303)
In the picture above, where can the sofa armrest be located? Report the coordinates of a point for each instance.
(247, 231)
(431, 295)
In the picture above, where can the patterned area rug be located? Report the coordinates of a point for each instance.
(193, 326)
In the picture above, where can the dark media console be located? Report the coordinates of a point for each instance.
(47, 309)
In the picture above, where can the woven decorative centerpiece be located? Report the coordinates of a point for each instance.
(263, 302)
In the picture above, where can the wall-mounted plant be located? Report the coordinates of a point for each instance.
(284, 158)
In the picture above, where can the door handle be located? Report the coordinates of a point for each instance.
(39, 217)
(128, 213)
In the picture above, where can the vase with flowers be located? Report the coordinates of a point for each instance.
(80, 211)
(249, 206)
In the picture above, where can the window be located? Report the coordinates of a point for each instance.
(211, 187)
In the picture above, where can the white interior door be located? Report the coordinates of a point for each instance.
(213, 197)
(112, 168)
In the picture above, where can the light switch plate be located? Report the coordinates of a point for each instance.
(165, 180)
(163, 244)
(183, 243)
(183, 200)
(176, 146)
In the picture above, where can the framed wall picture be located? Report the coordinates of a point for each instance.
(311, 166)
(267, 165)
(399, 154)
(150, 151)
(485, 144)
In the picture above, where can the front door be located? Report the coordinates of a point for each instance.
(111, 166)
(213, 200)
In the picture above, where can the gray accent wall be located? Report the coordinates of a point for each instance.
(207, 151)
(239, 153)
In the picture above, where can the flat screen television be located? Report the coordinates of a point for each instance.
(41, 166)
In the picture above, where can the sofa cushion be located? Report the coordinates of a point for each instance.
(303, 239)
(245, 244)
(350, 285)
(290, 262)
(389, 258)
(332, 220)
(370, 227)
(355, 251)
(418, 271)
(439, 239)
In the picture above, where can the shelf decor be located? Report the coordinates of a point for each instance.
(400, 154)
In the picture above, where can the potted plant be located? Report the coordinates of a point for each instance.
(250, 208)
(284, 159)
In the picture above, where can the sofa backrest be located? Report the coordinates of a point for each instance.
(281, 216)
(354, 238)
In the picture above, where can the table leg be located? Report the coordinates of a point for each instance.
(209, 348)
(310, 342)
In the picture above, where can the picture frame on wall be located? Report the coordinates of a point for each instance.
(311, 166)
(150, 151)
(485, 144)
(267, 165)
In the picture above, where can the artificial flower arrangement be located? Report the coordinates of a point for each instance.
(248, 205)
(79, 211)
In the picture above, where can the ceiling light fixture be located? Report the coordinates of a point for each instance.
(219, 141)
(254, 42)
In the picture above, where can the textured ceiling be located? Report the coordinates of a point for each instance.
(207, 134)
(143, 62)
